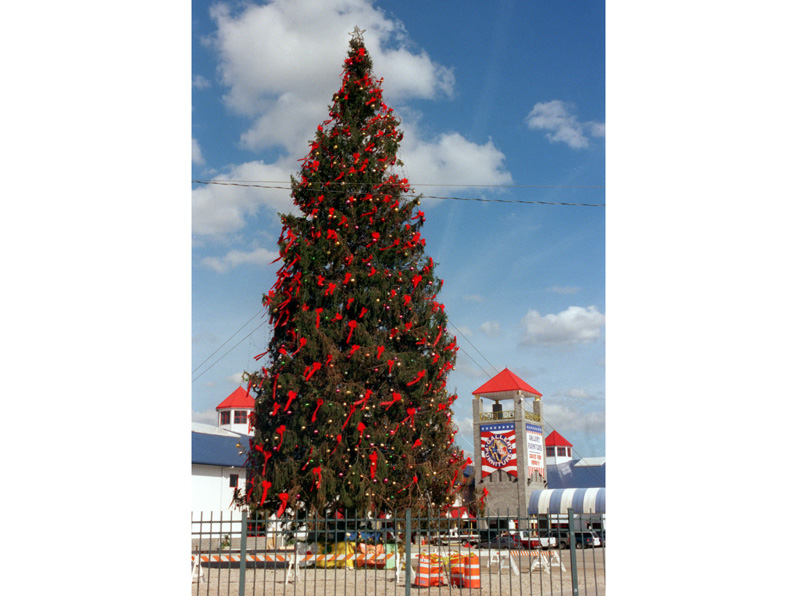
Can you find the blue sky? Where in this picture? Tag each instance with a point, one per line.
(506, 103)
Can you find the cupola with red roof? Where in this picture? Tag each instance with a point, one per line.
(557, 448)
(233, 411)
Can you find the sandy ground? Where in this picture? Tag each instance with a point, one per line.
(264, 579)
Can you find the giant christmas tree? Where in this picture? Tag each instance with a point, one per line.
(352, 409)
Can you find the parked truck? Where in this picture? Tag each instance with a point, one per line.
(456, 536)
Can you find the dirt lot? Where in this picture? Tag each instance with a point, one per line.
(268, 579)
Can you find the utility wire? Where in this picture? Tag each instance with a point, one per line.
(259, 311)
(476, 349)
(481, 200)
(264, 322)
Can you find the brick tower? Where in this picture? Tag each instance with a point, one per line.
(509, 458)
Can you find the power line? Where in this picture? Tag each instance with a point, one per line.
(476, 349)
(481, 200)
(264, 322)
(259, 311)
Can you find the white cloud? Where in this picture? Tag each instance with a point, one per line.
(259, 257)
(219, 209)
(474, 298)
(197, 155)
(568, 420)
(200, 82)
(564, 127)
(273, 54)
(490, 328)
(206, 417)
(451, 157)
(575, 325)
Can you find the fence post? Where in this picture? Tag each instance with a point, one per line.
(408, 552)
(573, 562)
(243, 553)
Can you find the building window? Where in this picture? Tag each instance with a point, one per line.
(551, 452)
(240, 417)
(224, 418)
(234, 480)
(562, 451)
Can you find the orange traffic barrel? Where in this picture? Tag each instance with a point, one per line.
(465, 571)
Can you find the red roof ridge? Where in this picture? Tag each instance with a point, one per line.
(504, 381)
(554, 439)
(238, 399)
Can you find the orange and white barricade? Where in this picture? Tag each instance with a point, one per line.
(371, 556)
(465, 571)
(430, 572)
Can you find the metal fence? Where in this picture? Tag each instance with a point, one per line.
(233, 554)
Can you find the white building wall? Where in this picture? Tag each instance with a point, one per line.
(211, 490)
(237, 428)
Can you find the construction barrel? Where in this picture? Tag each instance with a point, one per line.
(465, 571)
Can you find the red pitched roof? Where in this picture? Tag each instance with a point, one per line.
(503, 382)
(238, 399)
(556, 440)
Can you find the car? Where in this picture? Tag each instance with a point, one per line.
(498, 542)
(586, 539)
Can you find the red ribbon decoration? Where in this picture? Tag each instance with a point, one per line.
(420, 374)
(352, 409)
(414, 481)
(380, 352)
(438, 337)
(361, 428)
(353, 349)
(314, 368)
(338, 442)
(396, 397)
(292, 395)
(310, 453)
(410, 412)
(280, 430)
(267, 455)
(284, 497)
(373, 466)
(265, 484)
(417, 443)
(320, 401)
(485, 494)
(352, 325)
(318, 473)
(275, 407)
(303, 342)
(319, 312)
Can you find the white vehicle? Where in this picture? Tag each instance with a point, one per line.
(455, 536)
(530, 539)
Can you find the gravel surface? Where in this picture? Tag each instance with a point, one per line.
(269, 579)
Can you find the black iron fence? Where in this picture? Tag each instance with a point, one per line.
(234, 554)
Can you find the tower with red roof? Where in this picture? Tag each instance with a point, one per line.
(234, 410)
(558, 449)
(509, 446)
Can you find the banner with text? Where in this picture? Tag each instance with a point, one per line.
(535, 449)
(498, 448)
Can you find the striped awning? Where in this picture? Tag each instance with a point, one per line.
(580, 500)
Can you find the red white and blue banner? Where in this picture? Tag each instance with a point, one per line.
(535, 449)
(498, 448)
